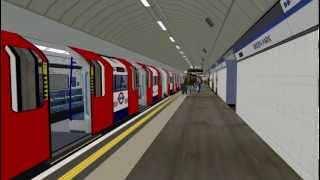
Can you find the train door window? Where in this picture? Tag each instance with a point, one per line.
(155, 80)
(120, 83)
(97, 84)
(26, 79)
(136, 78)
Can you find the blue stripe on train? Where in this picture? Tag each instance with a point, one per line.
(121, 114)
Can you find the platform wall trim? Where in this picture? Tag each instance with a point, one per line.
(281, 102)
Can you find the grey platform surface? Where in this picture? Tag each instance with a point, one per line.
(206, 140)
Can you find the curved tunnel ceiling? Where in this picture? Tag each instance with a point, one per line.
(127, 23)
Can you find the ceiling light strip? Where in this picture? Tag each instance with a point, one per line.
(145, 3)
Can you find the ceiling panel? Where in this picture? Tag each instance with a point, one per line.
(60, 8)
(21, 3)
(41, 6)
(127, 23)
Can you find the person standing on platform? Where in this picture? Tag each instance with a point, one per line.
(188, 84)
(184, 85)
(199, 84)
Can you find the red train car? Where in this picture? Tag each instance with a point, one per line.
(133, 85)
(24, 105)
(149, 88)
(101, 90)
(157, 82)
(31, 77)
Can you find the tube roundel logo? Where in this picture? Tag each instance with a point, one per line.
(121, 98)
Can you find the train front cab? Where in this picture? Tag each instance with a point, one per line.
(24, 106)
(120, 89)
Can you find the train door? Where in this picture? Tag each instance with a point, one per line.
(120, 89)
(142, 85)
(158, 82)
(164, 81)
(154, 84)
(24, 120)
(133, 85)
(101, 91)
(136, 86)
(174, 82)
(170, 83)
(69, 88)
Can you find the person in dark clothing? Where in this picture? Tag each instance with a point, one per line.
(199, 82)
(187, 84)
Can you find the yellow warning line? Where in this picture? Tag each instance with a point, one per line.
(93, 157)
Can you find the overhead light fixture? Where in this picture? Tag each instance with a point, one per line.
(145, 3)
(59, 51)
(181, 52)
(178, 47)
(42, 48)
(171, 39)
(162, 25)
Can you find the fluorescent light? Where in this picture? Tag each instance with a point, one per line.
(59, 51)
(181, 52)
(145, 3)
(41, 47)
(162, 25)
(171, 39)
(44, 48)
(178, 47)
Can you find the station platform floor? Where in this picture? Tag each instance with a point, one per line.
(196, 137)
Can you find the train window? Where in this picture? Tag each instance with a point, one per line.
(97, 78)
(135, 78)
(120, 83)
(26, 79)
(155, 80)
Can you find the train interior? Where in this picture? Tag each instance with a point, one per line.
(69, 92)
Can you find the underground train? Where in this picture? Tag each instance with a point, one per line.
(54, 98)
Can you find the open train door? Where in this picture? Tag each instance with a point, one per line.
(101, 90)
(148, 83)
(24, 106)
